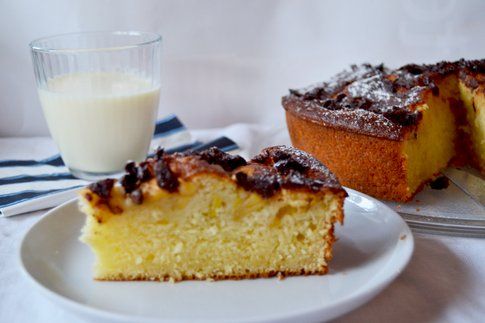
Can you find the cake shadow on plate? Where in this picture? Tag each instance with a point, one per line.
(351, 257)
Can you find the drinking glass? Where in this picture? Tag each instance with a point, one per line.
(99, 92)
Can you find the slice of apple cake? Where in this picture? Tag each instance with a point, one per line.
(212, 215)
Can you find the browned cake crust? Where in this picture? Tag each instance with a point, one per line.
(269, 274)
(386, 170)
(273, 169)
(356, 123)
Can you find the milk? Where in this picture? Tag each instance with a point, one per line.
(100, 120)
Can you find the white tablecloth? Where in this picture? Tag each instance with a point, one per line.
(444, 282)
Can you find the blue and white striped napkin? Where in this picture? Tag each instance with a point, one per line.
(29, 185)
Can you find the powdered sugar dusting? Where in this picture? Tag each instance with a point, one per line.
(375, 100)
(367, 99)
(372, 88)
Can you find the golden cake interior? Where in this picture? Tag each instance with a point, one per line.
(430, 148)
(444, 136)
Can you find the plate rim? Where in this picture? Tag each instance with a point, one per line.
(79, 307)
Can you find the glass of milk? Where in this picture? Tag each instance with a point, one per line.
(100, 93)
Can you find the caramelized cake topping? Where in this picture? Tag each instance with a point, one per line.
(266, 174)
(102, 188)
(297, 169)
(375, 100)
(166, 178)
(218, 157)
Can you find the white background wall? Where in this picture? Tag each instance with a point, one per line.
(231, 61)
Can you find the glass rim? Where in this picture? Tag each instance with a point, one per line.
(36, 46)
